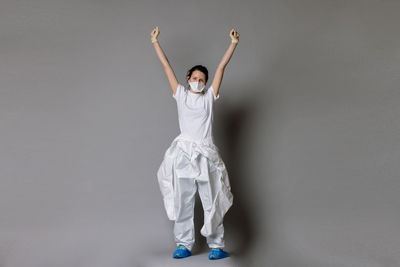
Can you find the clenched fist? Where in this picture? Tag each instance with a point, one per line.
(234, 36)
(154, 35)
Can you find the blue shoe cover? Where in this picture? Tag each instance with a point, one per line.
(217, 253)
(181, 252)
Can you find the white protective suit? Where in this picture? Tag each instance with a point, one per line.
(193, 162)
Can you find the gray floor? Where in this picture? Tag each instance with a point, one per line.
(164, 259)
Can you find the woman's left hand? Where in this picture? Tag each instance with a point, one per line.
(234, 36)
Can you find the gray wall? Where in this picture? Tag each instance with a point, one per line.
(307, 124)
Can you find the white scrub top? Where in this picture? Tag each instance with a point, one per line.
(195, 113)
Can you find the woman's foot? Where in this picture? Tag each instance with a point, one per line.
(217, 253)
(181, 252)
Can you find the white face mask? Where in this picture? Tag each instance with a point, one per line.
(197, 86)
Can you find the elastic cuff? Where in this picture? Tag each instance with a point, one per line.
(214, 246)
(186, 246)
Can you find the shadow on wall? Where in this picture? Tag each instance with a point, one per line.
(238, 217)
(235, 128)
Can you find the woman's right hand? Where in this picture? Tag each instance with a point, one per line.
(154, 35)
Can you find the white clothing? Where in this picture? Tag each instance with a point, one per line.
(193, 161)
(195, 112)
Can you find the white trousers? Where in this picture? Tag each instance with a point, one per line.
(187, 167)
(184, 198)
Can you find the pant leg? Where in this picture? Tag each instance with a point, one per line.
(185, 190)
(207, 192)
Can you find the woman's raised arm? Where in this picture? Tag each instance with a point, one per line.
(219, 73)
(173, 82)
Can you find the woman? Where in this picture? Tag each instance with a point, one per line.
(192, 161)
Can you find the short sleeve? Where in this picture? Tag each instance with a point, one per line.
(179, 92)
(214, 97)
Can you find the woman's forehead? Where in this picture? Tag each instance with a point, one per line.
(198, 74)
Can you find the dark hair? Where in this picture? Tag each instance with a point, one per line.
(199, 68)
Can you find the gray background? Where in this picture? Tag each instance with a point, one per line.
(307, 124)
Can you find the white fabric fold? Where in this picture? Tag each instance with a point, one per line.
(186, 158)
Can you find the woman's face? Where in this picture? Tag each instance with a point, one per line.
(197, 76)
